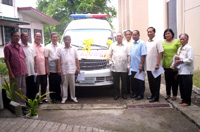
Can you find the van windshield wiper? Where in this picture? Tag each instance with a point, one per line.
(99, 46)
(91, 45)
(77, 46)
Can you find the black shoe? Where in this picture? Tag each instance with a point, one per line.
(124, 97)
(134, 96)
(128, 93)
(53, 100)
(153, 100)
(116, 98)
(150, 97)
(139, 98)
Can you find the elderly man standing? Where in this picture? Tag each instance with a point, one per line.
(119, 58)
(15, 61)
(138, 54)
(68, 64)
(52, 67)
(128, 41)
(30, 65)
(186, 70)
(153, 60)
(40, 64)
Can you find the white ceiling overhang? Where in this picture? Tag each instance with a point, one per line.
(37, 15)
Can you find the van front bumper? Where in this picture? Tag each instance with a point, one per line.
(96, 78)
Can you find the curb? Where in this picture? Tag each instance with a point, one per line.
(196, 89)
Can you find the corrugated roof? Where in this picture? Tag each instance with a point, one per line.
(13, 20)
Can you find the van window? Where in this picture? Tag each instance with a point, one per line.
(99, 36)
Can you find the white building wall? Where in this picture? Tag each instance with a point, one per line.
(34, 24)
(1, 51)
(7, 11)
(11, 11)
(192, 27)
(157, 19)
(0, 7)
(1, 47)
(26, 3)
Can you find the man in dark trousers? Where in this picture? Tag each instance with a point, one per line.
(153, 61)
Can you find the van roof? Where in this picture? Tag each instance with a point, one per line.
(88, 24)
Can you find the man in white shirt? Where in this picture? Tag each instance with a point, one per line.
(68, 64)
(119, 58)
(186, 70)
(152, 62)
(128, 41)
(30, 66)
(51, 59)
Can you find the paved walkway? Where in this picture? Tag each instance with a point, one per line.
(191, 112)
(30, 125)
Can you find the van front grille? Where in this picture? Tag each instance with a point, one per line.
(92, 64)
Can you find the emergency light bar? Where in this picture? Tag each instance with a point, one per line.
(88, 15)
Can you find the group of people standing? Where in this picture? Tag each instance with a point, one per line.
(133, 55)
(29, 64)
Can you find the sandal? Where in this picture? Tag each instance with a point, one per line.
(167, 97)
(184, 104)
(181, 102)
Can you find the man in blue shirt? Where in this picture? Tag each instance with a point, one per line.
(138, 54)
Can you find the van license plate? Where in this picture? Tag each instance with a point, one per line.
(88, 80)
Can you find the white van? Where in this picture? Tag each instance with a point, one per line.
(94, 65)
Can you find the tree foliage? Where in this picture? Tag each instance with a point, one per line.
(61, 10)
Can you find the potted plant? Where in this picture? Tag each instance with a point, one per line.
(9, 89)
(33, 104)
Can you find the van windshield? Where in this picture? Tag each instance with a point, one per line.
(99, 36)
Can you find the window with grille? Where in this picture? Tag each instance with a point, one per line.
(38, 31)
(6, 32)
(27, 30)
(7, 2)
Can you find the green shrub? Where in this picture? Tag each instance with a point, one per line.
(9, 89)
(3, 68)
(33, 105)
(196, 78)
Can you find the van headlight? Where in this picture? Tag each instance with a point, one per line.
(109, 78)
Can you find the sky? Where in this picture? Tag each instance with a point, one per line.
(32, 3)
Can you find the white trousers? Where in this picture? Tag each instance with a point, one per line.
(68, 79)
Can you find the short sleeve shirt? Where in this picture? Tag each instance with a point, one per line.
(40, 59)
(154, 47)
(15, 56)
(51, 53)
(138, 49)
(30, 54)
(68, 58)
(169, 51)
